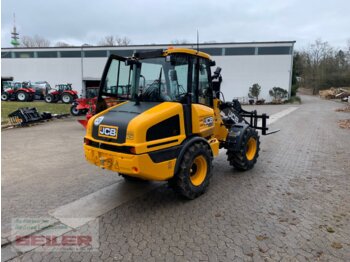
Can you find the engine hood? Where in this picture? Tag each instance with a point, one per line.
(118, 119)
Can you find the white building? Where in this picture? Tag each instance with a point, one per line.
(267, 63)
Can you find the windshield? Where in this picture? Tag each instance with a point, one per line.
(152, 79)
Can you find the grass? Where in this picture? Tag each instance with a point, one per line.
(10, 106)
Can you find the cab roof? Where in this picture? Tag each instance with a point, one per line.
(172, 50)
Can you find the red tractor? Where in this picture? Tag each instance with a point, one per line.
(62, 92)
(16, 91)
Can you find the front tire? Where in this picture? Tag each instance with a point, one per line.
(49, 99)
(248, 153)
(67, 98)
(5, 97)
(194, 173)
(22, 96)
(74, 111)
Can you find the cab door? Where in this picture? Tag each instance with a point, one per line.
(202, 99)
(115, 83)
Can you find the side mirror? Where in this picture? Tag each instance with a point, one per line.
(216, 73)
(212, 63)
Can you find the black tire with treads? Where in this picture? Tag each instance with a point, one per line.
(67, 98)
(22, 96)
(5, 96)
(181, 182)
(238, 159)
(49, 98)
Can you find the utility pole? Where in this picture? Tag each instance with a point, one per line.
(14, 34)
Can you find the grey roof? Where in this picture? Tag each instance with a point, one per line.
(153, 45)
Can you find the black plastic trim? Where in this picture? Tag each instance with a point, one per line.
(187, 108)
(167, 128)
(119, 149)
(164, 143)
(165, 154)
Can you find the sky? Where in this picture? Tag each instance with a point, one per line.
(80, 22)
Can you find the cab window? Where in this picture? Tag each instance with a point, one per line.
(202, 94)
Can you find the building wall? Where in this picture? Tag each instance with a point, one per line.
(53, 70)
(239, 71)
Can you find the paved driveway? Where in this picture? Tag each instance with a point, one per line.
(293, 206)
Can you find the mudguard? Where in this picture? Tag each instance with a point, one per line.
(235, 135)
(184, 146)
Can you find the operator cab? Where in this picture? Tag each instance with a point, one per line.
(175, 75)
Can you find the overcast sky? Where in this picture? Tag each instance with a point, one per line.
(146, 22)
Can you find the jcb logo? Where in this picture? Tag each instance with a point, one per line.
(208, 121)
(108, 131)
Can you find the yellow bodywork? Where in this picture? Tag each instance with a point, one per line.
(186, 51)
(140, 164)
(202, 120)
(206, 123)
(220, 131)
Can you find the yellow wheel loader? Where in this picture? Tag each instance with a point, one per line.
(171, 123)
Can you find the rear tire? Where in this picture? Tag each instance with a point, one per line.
(248, 153)
(194, 173)
(5, 96)
(67, 98)
(49, 99)
(22, 96)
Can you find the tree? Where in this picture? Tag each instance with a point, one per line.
(179, 42)
(278, 93)
(123, 41)
(62, 44)
(317, 57)
(35, 41)
(111, 40)
(254, 91)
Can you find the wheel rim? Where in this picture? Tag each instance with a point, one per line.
(251, 148)
(21, 96)
(198, 170)
(65, 98)
(4, 97)
(75, 111)
(48, 99)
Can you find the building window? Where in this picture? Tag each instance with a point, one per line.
(70, 53)
(240, 51)
(95, 53)
(274, 50)
(24, 54)
(47, 54)
(212, 51)
(122, 52)
(5, 54)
